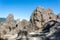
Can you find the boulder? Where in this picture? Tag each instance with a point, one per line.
(36, 18)
(40, 16)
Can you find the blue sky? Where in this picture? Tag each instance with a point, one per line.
(23, 8)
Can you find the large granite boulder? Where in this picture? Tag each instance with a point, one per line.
(52, 30)
(24, 24)
(40, 16)
(48, 15)
(37, 18)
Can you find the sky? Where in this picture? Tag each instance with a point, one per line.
(23, 8)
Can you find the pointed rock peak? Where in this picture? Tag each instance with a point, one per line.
(10, 15)
(49, 10)
(39, 8)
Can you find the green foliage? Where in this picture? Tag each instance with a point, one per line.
(4, 31)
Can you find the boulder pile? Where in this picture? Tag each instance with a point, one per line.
(43, 25)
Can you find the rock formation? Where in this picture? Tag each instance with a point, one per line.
(24, 24)
(37, 18)
(43, 25)
(40, 16)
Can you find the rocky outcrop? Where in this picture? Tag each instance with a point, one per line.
(43, 25)
(52, 31)
(37, 18)
(24, 24)
(48, 15)
(40, 16)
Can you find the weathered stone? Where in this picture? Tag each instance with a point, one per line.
(24, 23)
(10, 18)
(37, 18)
(40, 16)
(44, 22)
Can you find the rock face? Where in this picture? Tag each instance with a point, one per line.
(24, 24)
(49, 15)
(10, 21)
(52, 30)
(37, 18)
(40, 16)
(10, 18)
